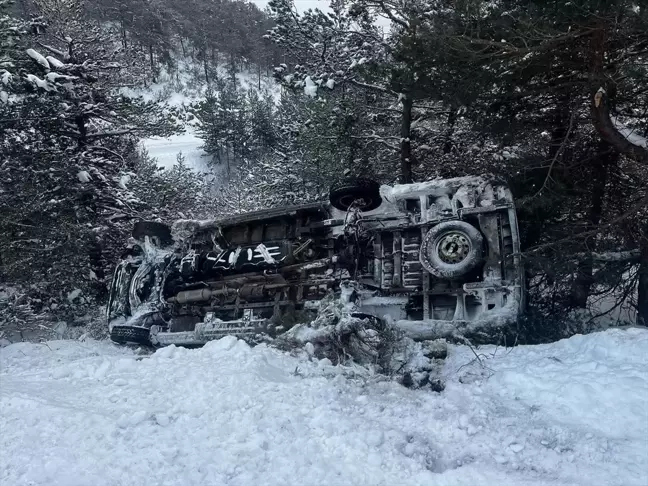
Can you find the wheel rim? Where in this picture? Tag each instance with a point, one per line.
(453, 247)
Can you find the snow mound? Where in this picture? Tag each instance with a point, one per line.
(310, 88)
(570, 413)
(39, 58)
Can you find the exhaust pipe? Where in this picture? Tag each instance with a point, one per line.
(205, 295)
(199, 295)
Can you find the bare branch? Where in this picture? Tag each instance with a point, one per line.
(611, 256)
(558, 153)
(54, 50)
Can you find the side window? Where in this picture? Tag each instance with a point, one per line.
(275, 231)
(413, 205)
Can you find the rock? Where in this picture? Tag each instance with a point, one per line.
(437, 349)
(516, 447)
(407, 380)
(437, 385)
(73, 295)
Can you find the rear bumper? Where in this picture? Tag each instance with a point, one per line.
(202, 334)
(431, 329)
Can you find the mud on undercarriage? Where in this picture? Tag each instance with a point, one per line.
(431, 257)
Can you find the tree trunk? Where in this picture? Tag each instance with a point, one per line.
(406, 144)
(206, 69)
(233, 68)
(184, 52)
(642, 294)
(607, 130)
(83, 131)
(152, 60)
(452, 120)
(123, 35)
(584, 280)
(95, 257)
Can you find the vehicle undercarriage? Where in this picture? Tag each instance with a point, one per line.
(428, 256)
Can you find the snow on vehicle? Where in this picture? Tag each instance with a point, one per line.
(427, 256)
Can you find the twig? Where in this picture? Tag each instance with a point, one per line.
(99, 147)
(470, 346)
(630, 213)
(558, 153)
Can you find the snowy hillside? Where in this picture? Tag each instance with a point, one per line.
(166, 150)
(90, 413)
(180, 89)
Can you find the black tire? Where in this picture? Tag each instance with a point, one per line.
(365, 192)
(129, 334)
(452, 249)
(154, 230)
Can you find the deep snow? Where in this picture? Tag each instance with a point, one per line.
(166, 150)
(90, 413)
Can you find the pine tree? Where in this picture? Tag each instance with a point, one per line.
(68, 156)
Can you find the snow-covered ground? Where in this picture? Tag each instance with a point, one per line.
(90, 413)
(166, 150)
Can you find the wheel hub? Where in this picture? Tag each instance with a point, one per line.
(453, 247)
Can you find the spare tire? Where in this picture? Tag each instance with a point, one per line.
(452, 249)
(365, 193)
(159, 233)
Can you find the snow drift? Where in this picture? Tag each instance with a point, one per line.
(90, 413)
